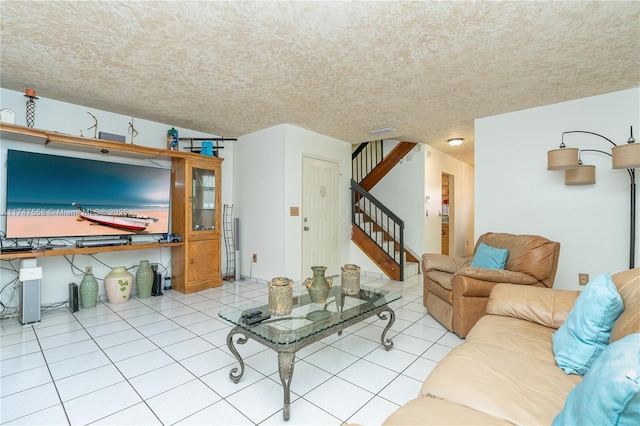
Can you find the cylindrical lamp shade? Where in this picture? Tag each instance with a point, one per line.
(562, 159)
(582, 175)
(626, 156)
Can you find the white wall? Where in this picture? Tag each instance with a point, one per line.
(259, 202)
(267, 182)
(72, 119)
(516, 193)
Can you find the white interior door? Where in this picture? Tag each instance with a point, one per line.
(320, 215)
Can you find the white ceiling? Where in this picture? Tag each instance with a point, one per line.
(427, 69)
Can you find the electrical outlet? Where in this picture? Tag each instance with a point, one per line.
(255, 258)
(583, 278)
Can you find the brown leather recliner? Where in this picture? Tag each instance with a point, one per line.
(456, 295)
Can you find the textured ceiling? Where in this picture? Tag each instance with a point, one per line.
(427, 69)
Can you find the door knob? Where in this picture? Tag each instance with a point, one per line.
(306, 228)
(191, 261)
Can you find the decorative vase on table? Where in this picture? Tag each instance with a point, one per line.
(144, 279)
(117, 285)
(280, 296)
(350, 279)
(88, 289)
(318, 285)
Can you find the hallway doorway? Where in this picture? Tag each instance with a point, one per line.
(447, 214)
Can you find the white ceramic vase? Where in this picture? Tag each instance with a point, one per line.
(118, 284)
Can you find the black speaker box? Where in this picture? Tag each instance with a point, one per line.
(73, 297)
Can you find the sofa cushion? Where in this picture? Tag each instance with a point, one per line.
(609, 394)
(544, 306)
(436, 412)
(493, 372)
(442, 278)
(441, 262)
(489, 257)
(586, 332)
(628, 284)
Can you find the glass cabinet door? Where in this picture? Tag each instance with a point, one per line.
(203, 199)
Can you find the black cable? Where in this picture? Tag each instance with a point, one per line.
(81, 272)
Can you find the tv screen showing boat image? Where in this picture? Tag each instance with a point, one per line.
(57, 196)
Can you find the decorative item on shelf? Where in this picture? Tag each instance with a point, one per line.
(132, 130)
(7, 116)
(117, 285)
(280, 296)
(112, 137)
(318, 285)
(172, 139)
(30, 94)
(207, 148)
(144, 279)
(88, 289)
(95, 125)
(350, 279)
(625, 156)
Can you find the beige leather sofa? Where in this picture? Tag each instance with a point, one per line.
(505, 372)
(456, 294)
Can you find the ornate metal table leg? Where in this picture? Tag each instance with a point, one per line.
(242, 340)
(387, 344)
(285, 367)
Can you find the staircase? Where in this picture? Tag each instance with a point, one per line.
(375, 229)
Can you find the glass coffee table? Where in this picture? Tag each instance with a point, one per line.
(307, 324)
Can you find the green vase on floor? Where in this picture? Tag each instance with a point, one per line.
(88, 289)
(144, 279)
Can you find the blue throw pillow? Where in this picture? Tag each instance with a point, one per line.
(489, 257)
(586, 332)
(609, 394)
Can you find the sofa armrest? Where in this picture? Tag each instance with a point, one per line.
(544, 306)
(441, 262)
(498, 275)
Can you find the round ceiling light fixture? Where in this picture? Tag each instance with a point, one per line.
(456, 141)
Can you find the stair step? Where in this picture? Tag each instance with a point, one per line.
(377, 236)
(367, 227)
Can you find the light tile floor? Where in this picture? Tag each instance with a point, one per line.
(164, 360)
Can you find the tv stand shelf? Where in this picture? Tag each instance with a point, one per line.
(71, 250)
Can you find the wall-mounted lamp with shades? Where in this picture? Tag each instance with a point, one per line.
(625, 156)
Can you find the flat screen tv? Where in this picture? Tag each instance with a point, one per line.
(57, 196)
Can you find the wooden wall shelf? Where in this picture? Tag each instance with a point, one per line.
(77, 143)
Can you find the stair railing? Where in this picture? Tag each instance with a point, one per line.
(365, 158)
(382, 220)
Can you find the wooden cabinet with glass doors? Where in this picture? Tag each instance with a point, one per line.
(195, 216)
